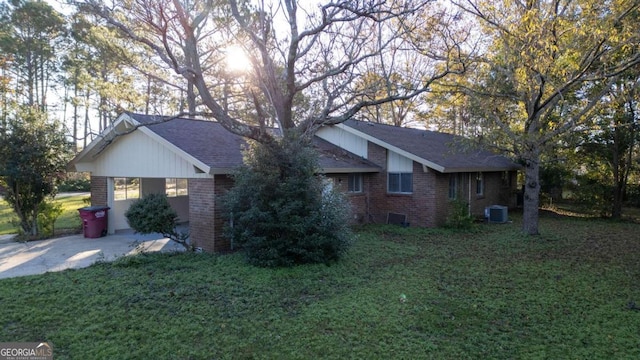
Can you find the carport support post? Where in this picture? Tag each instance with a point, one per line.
(202, 213)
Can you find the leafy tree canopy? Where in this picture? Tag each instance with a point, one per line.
(33, 157)
(547, 65)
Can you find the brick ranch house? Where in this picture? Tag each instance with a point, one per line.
(389, 173)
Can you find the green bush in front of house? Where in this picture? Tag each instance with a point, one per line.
(282, 212)
(458, 216)
(153, 214)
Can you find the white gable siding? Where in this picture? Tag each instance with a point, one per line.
(138, 155)
(398, 163)
(344, 139)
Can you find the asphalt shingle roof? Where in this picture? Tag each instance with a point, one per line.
(206, 141)
(446, 150)
(212, 144)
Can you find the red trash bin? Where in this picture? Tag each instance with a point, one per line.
(94, 221)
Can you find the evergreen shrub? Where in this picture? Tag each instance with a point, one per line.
(282, 212)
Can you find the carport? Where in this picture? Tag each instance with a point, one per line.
(183, 158)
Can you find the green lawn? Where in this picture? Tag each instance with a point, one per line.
(69, 220)
(571, 293)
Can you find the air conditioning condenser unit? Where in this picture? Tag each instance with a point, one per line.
(496, 214)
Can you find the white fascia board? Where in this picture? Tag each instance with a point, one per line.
(395, 149)
(93, 148)
(81, 167)
(348, 170)
(125, 122)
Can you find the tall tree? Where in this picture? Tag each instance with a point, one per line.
(397, 113)
(33, 32)
(102, 69)
(5, 92)
(32, 159)
(610, 147)
(547, 66)
(305, 58)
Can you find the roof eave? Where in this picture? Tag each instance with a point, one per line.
(479, 169)
(123, 124)
(349, 170)
(386, 145)
(104, 139)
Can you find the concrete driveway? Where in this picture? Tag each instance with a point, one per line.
(73, 252)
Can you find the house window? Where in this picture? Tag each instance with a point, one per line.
(453, 186)
(126, 188)
(400, 183)
(479, 184)
(400, 173)
(506, 179)
(355, 183)
(176, 187)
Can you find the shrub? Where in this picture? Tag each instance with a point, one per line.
(282, 212)
(593, 195)
(153, 214)
(48, 213)
(75, 182)
(459, 217)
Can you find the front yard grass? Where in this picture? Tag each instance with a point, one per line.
(69, 221)
(400, 293)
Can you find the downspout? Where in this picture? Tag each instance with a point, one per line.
(469, 196)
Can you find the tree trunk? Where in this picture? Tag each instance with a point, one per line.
(191, 98)
(616, 209)
(75, 112)
(30, 80)
(148, 100)
(87, 121)
(531, 193)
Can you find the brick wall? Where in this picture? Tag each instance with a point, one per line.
(359, 201)
(377, 189)
(442, 206)
(99, 191)
(206, 222)
(429, 204)
(222, 244)
(419, 207)
(202, 213)
(497, 191)
(493, 190)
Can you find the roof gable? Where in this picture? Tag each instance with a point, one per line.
(207, 141)
(206, 144)
(443, 152)
(124, 125)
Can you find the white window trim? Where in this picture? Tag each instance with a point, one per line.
(126, 189)
(178, 192)
(400, 182)
(358, 178)
(480, 179)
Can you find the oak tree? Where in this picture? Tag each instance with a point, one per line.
(546, 66)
